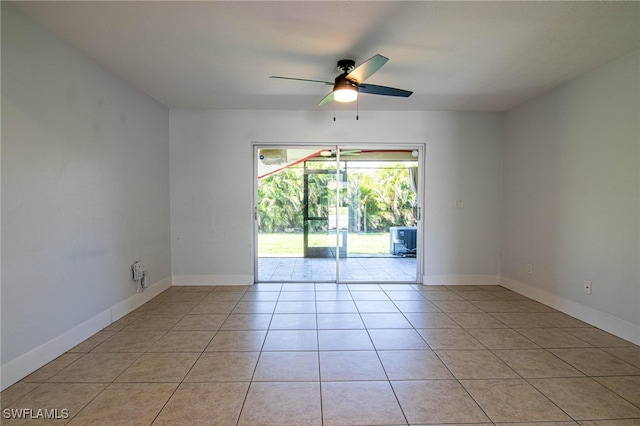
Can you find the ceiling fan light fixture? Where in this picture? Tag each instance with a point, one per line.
(345, 95)
(345, 90)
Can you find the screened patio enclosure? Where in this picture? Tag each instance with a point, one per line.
(337, 214)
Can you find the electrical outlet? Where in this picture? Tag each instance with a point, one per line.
(138, 271)
(459, 204)
(529, 269)
(587, 287)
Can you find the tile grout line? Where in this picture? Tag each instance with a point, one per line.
(315, 298)
(526, 380)
(255, 368)
(378, 356)
(393, 389)
(451, 372)
(194, 363)
(106, 384)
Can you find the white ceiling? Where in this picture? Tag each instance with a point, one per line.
(464, 56)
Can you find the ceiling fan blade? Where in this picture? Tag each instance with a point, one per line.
(303, 79)
(374, 89)
(326, 99)
(367, 68)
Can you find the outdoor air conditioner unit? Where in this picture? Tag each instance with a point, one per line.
(403, 240)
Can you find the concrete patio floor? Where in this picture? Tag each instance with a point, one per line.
(352, 269)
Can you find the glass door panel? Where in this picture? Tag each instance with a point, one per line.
(381, 215)
(295, 198)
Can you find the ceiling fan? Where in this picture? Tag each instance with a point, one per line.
(331, 153)
(351, 82)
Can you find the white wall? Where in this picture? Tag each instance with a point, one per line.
(212, 184)
(571, 196)
(85, 191)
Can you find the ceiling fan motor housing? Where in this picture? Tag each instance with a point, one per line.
(346, 65)
(341, 82)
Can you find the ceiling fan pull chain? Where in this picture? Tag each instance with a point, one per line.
(357, 110)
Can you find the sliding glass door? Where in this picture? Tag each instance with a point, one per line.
(336, 214)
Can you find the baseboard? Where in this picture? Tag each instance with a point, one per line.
(139, 299)
(602, 320)
(206, 280)
(15, 370)
(477, 279)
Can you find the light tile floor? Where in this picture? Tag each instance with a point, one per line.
(337, 354)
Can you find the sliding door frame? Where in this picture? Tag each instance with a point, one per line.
(419, 147)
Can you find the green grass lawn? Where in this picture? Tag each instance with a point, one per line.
(292, 244)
